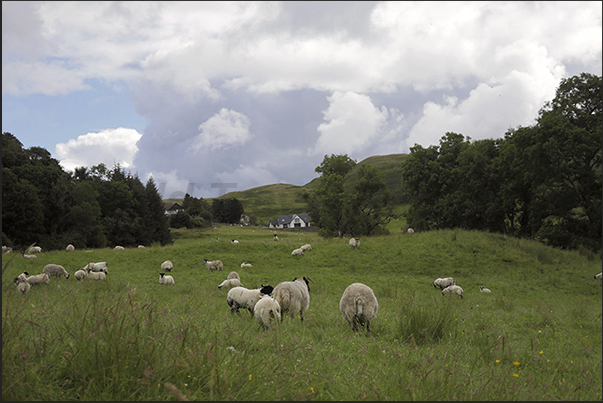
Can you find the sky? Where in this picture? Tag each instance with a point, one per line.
(211, 97)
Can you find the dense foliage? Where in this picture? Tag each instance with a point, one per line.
(91, 208)
(541, 182)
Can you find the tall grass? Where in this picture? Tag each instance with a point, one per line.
(536, 337)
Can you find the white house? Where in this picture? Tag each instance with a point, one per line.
(173, 208)
(291, 221)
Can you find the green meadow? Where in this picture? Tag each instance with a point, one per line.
(537, 336)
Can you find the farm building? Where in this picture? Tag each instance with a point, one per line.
(173, 208)
(291, 221)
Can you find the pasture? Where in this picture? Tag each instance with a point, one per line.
(537, 336)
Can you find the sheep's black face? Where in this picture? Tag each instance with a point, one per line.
(266, 289)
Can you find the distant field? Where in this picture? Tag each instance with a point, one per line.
(537, 336)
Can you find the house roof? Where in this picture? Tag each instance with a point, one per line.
(173, 206)
(286, 219)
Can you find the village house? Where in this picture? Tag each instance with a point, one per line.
(291, 221)
(173, 208)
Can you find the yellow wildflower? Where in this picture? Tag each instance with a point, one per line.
(516, 363)
(516, 376)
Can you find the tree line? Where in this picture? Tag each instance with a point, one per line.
(201, 213)
(89, 208)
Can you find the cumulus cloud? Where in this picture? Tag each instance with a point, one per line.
(109, 147)
(225, 129)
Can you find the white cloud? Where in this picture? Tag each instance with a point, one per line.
(250, 176)
(108, 146)
(225, 129)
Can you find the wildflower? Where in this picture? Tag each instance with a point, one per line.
(250, 375)
(540, 331)
(516, 363)
(311, 389)
(541, 351)
(516, 376)
(497, 361)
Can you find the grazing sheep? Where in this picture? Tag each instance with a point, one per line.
(482, 289)
(55, 270)
(23, 276)
(267, 310)
(241, 297)
(410, 231)
(293, 296)
(22, 284)
(243, 265)
(166, 279)
(6, 249)
(25, 256)
(306, 247)
(354, 243)
(297, 252)
(234, 241)
(275, 237)
(214, 265)
(42, 278)
(98, 266)
(141, 247)
(598, 276)
(230, 283)
(70, 248)
(119, 247)
(443, 282)
(35, 249)
(167, 266)
(358, 306)
(453, 289)
(96, 275)
(81, 274)
(233, 274)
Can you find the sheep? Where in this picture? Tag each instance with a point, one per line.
(214, 265)
(69, 248)
(141, 247)
(482, 289)
(230, 283)
(96, 275)
(55, 270)
(243, 265)
(297, 252)
(354, 243)
(119, 247)
(453, 289)
(267, 309)
(275, 237)
(241, 297)
(234, 241)
(306, 247)
(81, 274)
(6, 249)
(167, 266)
(35, 249)
(358, 306)
(22, 284)
(43, 278)
(598, 276)
(26, 256)
(23, 276)
(410, 231)
(293, 296)
(98, 266)
(233, 274)
(166, 279)
(443, 282)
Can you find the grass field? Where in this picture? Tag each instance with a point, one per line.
(538, 336)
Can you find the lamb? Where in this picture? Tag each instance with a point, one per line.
(410, 231)
(598, 276)
(96, 275)
(6, 249)
(297, 252)
(275, 237)
(167, 266)
(81, 274)
(141, 247)
(98, 266)
(22, 284)
(42, 278)
(306, 247)
(293, 296)
(482, 289)
(119, 247)
(234, 241)
(70, 248)
(214, 265)
(354, 243)
(358, 305)
(453, 289)
(166, 279)
(233, 274)
(443, 282)
(55, 270)
(267, 309)
(35, 249)
(243, 265)
(26, 256)
(241, 297)
(230, 283)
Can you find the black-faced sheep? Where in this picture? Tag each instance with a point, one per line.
(230, 283)
(484, 289)
(442, 283)
(233, 274)
(275, 237)
(241, 297)
(598, 276)
(354, 243)
(55, 270)
(453, 289)
(42, 278)
(167, 266)
(166, 279)
(293, 296)
(234, 241)
(96, 275)
(98, 266)
(306, 248)
(22, 284)
(267, 311)
(81, 274)
(358, 306)
(297, 252)
(243, 265)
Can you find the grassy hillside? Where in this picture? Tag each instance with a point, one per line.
(537, 336)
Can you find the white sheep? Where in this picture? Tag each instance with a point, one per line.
(297, 252)
(598, 276)
(22, 284)
(26, 256)
(214, 265)
(410, 231)
(166, 279)
(69, 248)
(167, 266)
(96, 275)
(42, 278)
(275, 237)
(81, 274)
(234, 241)
(55, 270)
(35, 249)
(267, 310)
(354, 243)
(483, 289)
(141, 247)
(443, 282)
(233, 274)
(293, 296)
(453, 289)
(119, 247)
(358, 306)
(230, 283)
(241, 297)
(306, 247)
(243, 265)
(98, 266)
(6, 249)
